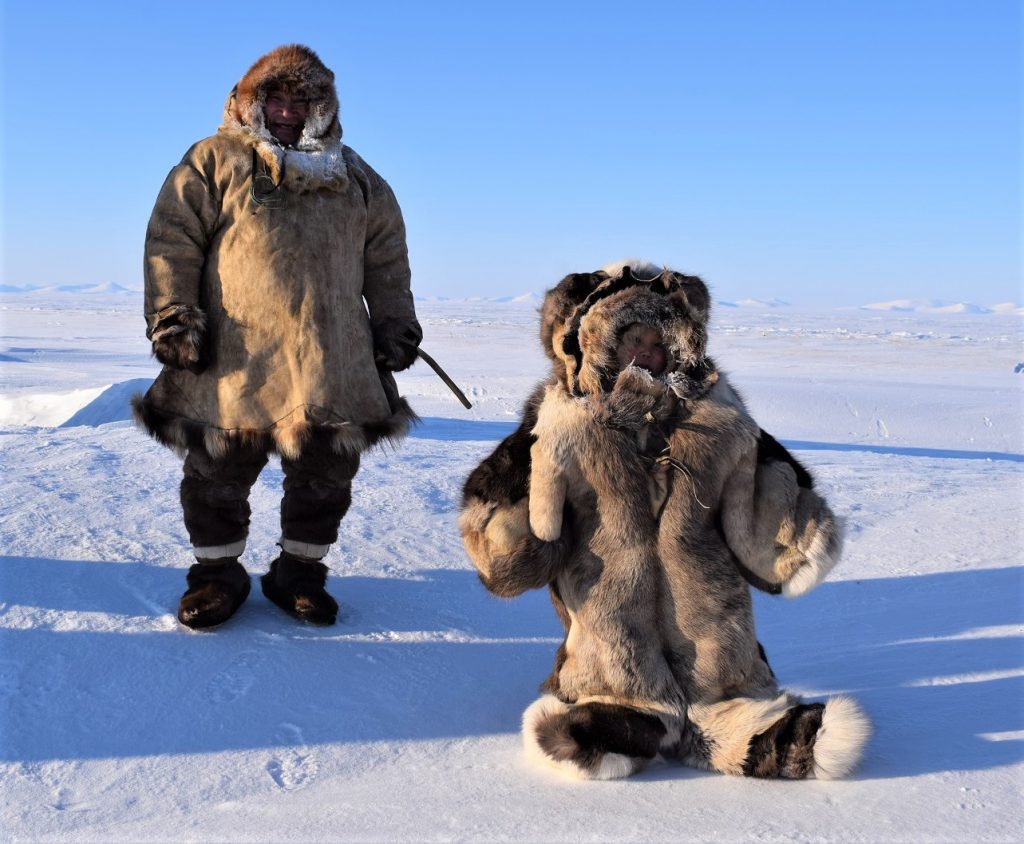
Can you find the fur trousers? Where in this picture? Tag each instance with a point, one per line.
(215, 498)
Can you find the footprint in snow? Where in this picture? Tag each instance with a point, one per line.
(233, 681)
(294, 766)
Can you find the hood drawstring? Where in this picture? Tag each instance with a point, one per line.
(266, 198)
(666, 459)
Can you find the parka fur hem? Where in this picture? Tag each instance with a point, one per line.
(287, 438)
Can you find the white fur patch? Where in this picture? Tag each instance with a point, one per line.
(822, 556)
(538, 711)
(615, 766)
(841, 738)
(307, 171)
(641, 269)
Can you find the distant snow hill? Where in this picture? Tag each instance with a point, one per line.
(78, 289)
(754, 303)
(521, 299)
(932, 306)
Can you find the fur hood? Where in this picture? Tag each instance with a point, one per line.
(316, 160)
(583, 317)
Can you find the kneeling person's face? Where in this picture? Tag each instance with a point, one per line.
(641, 345)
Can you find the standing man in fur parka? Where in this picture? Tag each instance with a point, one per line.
(641, 492)
(277, 297)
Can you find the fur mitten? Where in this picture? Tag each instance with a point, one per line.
(782, 533)
(178, 334)
(509, 558)
(395, 342)
(635, 394)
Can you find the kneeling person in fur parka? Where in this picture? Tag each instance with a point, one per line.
(278, 299)
(641, 492)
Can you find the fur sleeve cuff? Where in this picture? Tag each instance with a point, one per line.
(178, 333)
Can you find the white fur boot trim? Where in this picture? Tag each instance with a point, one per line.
(215, 552)
(841, 738)
(304, 549)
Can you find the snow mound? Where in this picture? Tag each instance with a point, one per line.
(899, 305)
(523, 299)
(92, 406)
(960, 308)
(113, 404)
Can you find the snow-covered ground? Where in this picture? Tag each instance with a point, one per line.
(401, 722)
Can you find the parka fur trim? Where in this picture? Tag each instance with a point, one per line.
(285, 438)
(178, 334)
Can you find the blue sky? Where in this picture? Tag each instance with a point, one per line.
(820, 152)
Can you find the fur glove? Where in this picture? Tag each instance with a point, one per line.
(634, 395)
(508, 557)
(395, 342)
(784, 534)
(178, 333)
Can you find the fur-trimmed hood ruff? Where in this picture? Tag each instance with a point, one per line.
(267, 271)
(647, 504)
(299, 69)
(583, 317)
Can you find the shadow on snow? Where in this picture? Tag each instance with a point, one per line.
(440, 428)
(437, 657)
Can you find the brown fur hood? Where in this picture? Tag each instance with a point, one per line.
(319, 149)
(583, 317)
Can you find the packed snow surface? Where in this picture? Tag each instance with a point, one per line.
(401, 722)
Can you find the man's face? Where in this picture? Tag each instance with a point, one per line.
(285, 115)
(642, 346)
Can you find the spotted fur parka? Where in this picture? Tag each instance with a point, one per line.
(274, 268)
(648, 505)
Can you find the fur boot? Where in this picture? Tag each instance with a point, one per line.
(216, 589)
(296, 585)
(777, 736)
(600, 741)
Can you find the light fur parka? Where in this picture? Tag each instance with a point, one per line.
(276, 263)
(647, 505)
